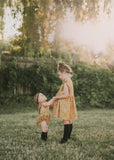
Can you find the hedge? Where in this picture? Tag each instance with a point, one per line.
(93, 86)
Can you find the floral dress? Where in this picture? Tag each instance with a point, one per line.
(65, 108)
(44, 115)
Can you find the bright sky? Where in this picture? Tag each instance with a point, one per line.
(93, 35)
(11, 24)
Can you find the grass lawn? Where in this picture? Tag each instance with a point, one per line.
(92, 137)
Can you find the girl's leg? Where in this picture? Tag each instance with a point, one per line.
(70, 122)
(66, 131)
(65, 122)
(44, 127)
(70, 129)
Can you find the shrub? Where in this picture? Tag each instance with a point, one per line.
(93, 86)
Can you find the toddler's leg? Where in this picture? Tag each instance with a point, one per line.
(44, 127)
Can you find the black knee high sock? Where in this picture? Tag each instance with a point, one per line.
(70, 130)
(65, 136)
(44, 136)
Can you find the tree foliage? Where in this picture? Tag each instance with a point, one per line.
(42, 18)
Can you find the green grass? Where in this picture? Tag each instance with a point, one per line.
(92, 137)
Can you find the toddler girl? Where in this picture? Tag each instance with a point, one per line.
(44, 114)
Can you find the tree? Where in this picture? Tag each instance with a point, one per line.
(43, 17)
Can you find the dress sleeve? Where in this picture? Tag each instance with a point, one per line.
(68, 85)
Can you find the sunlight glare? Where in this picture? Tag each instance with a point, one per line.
(11, 24)
(94, 35)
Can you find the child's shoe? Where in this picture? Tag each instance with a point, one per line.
(44, 136)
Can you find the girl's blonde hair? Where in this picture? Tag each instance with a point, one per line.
(36, 98)
(62, 67)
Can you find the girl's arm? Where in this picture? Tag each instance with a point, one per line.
(65, 95)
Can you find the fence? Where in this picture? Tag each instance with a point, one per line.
(26, 62)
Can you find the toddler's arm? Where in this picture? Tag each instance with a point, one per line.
(49, 103)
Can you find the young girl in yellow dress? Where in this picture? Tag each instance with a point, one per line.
(44, 114)
(64, 106)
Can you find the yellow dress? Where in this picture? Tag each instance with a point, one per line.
(44, 115)
(65, 108)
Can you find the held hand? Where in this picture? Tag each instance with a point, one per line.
(54, 98)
